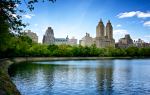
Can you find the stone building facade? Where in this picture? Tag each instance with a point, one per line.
(125, 42)
(59, 41)
(140, 43)
(104, 36)
(49, 38)
(87, 40)
(73, 41)
(31, 35)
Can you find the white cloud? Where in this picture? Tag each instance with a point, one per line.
(126, 14)
(147, 23)
(28, 16)
(138, 14)
(143, 15)
(118, 25)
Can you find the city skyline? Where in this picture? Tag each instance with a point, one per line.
(75, 18)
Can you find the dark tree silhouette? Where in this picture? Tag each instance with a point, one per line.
(9, 10)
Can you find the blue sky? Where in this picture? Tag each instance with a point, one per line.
(76, 17)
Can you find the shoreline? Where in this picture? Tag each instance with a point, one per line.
(7, 87)
(21, 59)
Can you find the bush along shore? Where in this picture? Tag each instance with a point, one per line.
(23, 46)
(40, 50)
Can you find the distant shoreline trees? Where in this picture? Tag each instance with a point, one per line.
(22, 46)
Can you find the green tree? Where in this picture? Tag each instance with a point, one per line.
(11, 24)
(94, 51)
(132, 51)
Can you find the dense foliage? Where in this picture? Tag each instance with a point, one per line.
(22, 46)
(11, 24)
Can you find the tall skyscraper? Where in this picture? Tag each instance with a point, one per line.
(109, 30)
(48, 38)
(100, 29)
(104, 36)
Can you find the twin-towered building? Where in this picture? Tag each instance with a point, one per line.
(104, 36)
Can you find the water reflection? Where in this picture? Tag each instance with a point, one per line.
(104, 76)
(83, 77)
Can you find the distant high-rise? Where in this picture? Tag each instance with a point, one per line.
(73, 41)
(31, 35)
(104, 36)
(125, 42)
(87, 40)
(100, 29)
(109, 30)
(48, 38)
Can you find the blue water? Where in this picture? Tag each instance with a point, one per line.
(83, 77)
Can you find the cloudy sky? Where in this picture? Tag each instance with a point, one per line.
(76, 17)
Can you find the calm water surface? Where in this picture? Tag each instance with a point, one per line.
(83, 77)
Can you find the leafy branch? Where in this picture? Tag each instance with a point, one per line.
(9, 13)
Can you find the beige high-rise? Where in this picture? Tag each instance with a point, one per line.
(104, 36)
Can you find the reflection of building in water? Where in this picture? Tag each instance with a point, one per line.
(48, 71)
(104, 75)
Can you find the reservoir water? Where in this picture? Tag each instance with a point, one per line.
(83, 77)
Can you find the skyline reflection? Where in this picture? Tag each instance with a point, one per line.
(82, 77)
